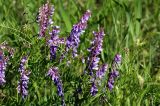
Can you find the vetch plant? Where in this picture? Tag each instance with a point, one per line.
(95, 71)
(24, 78)
(73, 40)
(95, 50)
(4, 60)
(54, 41)
(54, 74)
(2, 67)
(114, 73)
(45, 18)
(94, 89)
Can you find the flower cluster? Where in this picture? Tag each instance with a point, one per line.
(114, 73)
(54, 41)
(93, 60)
(2, 67)
(45, 18)
(95, 50)
(23, 84)
(74, 39)
(116, 61)
(101, 71)
(4, 59)
(22, 64)
(53, 73)
(24, 79)
(94, 89)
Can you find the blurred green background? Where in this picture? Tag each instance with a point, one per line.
(132, 28)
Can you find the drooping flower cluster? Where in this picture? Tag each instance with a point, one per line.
(114, 73)
(45, 18)
(53, 73)
(54, 41)
(24, 79)
(2, 68)
(74, 39)
(95, 50)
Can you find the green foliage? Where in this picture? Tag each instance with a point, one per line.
(132, 29)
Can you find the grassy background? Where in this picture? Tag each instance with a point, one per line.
(132, 29)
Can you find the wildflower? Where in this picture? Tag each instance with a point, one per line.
(45, 18)
(94, 89)
(23, 84)
(117, 59)
(114, 73)
(95, 50)
(112, 77)
(22, 64)
(2, 68)
(24, 79)
(74, 39)
(53, 73)
(101, 71)
(3, 60)
(54, 41)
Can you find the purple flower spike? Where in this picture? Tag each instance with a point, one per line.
(54, 42)
(95, 50)
(101, 72)
(24, 79)
(22, 64)
(53, 73)
(45, 18)
(116, 61)
(3, 64)
(94, 89)
(23, 84)
(74, 39)
(117, 58)
(114, 74)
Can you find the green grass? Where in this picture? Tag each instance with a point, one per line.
(131, 27)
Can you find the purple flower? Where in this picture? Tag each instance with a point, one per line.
(24, 79)
(95, 50)
(116, 61)
(3, 60)
(54, 41)
(112, 75)
(117, 58)
(94, 89)
(22, 64)
(101, 72)
(74, 39)
(3, 64)
(53, 73)
(23, 84)
(45, 18)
